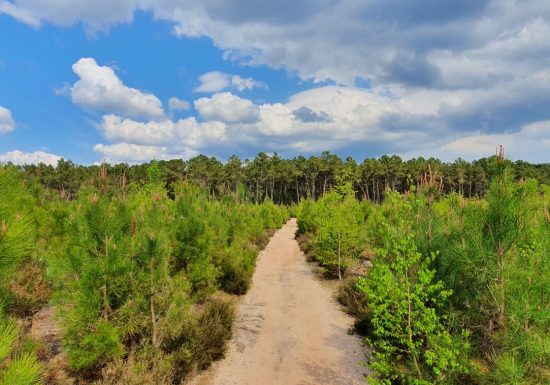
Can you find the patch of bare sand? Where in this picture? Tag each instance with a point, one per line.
(290, 330)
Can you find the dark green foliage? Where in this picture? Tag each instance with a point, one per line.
(306, 213)
(286, 181)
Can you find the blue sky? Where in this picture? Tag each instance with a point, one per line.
(136, 79)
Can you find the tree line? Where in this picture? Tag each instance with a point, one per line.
(286, 181)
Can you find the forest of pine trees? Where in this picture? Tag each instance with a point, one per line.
(286, 181)
(444, 265)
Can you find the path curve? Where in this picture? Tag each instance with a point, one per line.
(289, 330)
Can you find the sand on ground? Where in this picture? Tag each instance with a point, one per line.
(289, 329)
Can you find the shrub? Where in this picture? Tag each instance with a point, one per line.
(355, 302)
(203, 335)
(340, 235)
(236, 269)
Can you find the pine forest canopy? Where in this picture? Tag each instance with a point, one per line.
(288, 180)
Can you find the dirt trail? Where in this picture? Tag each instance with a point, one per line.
(290, 330)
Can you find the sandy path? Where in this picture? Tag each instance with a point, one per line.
(290, 330)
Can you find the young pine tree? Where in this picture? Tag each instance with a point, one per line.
(18, 364)
(97, 282)
(340, 236)
(409, 337)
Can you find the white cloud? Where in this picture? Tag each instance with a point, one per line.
(97, 15)
(7, 123)
(187, 132)
(135, 153)
(531, 142)
(178, 104)
(456, 75)
(229, 108)
(214, 81)
(447, 69)
(276, 119)
(100, 88)
(21, 158)
(332, 117)
(243, 84)
(361, 37)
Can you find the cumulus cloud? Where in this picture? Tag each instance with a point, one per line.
(187, 132)
(135, 153)
(178, 104)
(439, 72)
(307, 115)
(7, 123)
(99, 88)
(213, 81)
(21, 158)
(345, 119)
(229, 108)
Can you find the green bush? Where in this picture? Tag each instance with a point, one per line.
(338, 230)
(410, 340)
